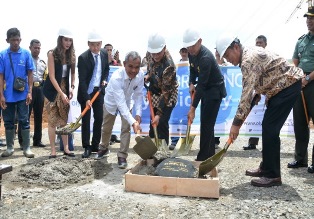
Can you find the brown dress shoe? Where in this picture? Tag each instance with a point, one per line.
(255, 173)
(266, 182)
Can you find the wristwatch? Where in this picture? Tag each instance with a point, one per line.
(307, 78)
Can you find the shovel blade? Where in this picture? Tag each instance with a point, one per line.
(68, 129)
(209, 164)
(185, 147)
(188, 145)
(145, 148)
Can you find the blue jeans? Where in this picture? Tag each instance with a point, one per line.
(174, 140)
(22, 113)
(70, 142)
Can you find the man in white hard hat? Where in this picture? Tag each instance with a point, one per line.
(93, 71)
(207, 82)
(266, 73)
(161, 73)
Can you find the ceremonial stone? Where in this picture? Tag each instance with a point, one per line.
(176, 167)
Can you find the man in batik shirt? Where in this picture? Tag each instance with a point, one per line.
(273, 76)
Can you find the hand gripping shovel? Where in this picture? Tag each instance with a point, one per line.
(186, 143)
(209, 164)
(75, 125)
(144, 147)
(160, 143)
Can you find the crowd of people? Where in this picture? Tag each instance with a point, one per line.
(25, 79)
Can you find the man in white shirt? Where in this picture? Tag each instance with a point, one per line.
(124, 90)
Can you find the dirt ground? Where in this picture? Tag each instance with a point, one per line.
(88, 188)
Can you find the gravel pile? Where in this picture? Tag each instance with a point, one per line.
(88, 188)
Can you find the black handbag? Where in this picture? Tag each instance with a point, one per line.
(19, 83)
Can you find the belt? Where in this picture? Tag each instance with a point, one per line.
(37, 84)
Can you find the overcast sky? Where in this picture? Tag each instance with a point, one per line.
(127, 24)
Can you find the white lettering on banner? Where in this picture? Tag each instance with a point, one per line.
(75, 103)
(145, 103)
(226, 102)
(234, 79)
(183, 100)
(183, 80)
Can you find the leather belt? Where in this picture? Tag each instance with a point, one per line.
(37, 84)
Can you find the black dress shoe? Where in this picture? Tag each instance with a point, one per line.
(39, 144)
(87, 153)
(296, 164)
(249, 147)
(266, 182)
(255, 173)
(115, 138)
(310, 169)
(69, 154)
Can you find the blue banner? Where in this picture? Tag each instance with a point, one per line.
(178, 121)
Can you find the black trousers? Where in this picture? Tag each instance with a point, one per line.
(301, 128)
(253, 140)
(209, 112)
(37, 106)
(278, 109)
(97, 107)
(163, 125)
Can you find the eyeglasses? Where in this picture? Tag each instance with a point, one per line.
(184, 51)
(109, 49)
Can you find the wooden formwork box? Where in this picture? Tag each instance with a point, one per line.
(194, 187)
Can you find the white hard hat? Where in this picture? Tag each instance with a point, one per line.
(65, 32)
(156, 43)
(190, 37)
(223, 42)
(94, 37)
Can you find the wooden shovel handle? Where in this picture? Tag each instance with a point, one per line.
(152, 114)
(305, 109)
(91, 101)
(192, 98)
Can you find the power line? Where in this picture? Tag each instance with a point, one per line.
(295, 10)
(268, 16)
